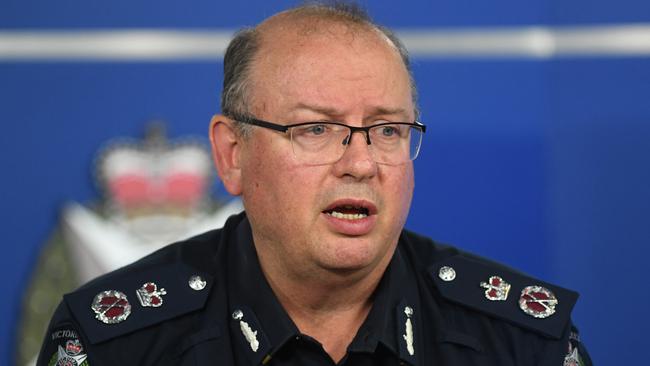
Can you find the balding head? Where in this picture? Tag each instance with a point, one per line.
(318, 84)
(341, 22)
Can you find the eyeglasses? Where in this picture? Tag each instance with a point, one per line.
(319, 143)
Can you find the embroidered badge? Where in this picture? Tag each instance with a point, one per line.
(247, 331)
(111, 307)
(537, 301)
(69, 351)
(572, 357)
(73, 347)
(408, 337)
(496, 289)
(150, 296)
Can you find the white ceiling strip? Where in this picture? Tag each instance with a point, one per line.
(631, 40)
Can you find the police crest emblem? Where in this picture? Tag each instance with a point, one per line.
(154, 191)
(66, 348)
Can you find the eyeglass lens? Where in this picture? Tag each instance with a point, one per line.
(323, 143)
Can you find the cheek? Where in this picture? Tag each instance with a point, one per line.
(401, 189)
(256, 173)
(270, 178)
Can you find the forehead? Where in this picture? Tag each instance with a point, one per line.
(329, 62)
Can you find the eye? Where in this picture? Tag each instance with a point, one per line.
(316, 129)
(389, 131)
(313, 130)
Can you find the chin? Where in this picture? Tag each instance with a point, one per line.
(353, 257)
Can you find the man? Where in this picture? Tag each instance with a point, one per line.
(317, 135)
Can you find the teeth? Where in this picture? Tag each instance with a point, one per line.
(339, 215)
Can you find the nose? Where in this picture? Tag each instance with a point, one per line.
(366, 133)
(357, 160)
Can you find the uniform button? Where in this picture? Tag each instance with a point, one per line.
(447, 273)
(197, 283)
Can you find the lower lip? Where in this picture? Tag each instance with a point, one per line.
(351, 227)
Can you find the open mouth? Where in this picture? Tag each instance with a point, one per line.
(348, 212)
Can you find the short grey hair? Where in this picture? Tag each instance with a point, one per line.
(240, 55)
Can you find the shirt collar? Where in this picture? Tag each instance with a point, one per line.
(387, 321)
(257, 315)
(253, 302)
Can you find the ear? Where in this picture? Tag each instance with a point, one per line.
(226, 148)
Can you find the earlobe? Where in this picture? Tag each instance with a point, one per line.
(226, 148)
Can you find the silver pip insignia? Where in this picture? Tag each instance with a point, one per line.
(538, 302)
(111, 307)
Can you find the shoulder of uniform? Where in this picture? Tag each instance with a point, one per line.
(424, 249)
(504, 293)
(166, 284)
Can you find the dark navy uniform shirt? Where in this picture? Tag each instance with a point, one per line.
(205, 301)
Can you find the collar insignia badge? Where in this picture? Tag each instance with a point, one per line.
(496, 289)
(150, 296)
(408, 337)
(247, 331)
(111, 307)
(537, 301)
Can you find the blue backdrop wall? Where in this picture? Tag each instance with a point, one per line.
(541, 163)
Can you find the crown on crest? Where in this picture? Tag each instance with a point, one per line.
(154, 176)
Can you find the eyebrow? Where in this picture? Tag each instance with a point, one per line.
(318, 109)
(384, 110)
(333, 112)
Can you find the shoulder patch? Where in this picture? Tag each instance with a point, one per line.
(63, 346)
(124, 302)
(576, 353)
(505, 294)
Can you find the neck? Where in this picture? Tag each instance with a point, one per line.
(329, 306)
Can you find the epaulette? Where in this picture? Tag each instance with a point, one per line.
(505, 294)
(127, 301)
